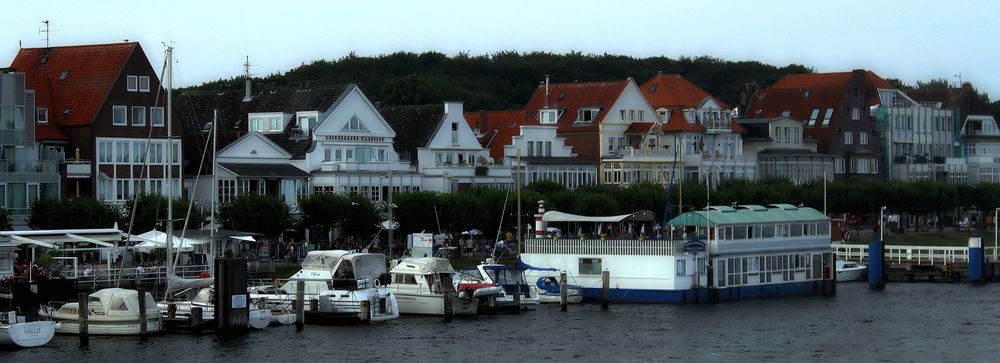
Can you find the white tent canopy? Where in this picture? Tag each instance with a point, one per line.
(555, 216)
(156, 239)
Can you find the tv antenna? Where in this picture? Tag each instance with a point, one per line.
(246, 67)
(45, 29)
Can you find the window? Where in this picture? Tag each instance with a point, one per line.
(681, 267)
(122, 151)
(856, 114)
(454, 133)
(826, 119)
(863, 138)
(786, 138)
(138, 116)
(338, 155)
(590, 266)
(640, 115)
(586, 115)
(156, 116)
(119, 115)
(43, 116)
(813, 117)
(848, 138)
(355, 124)
(104, 151)
(838, 166)
(132, 83)
(548, 148)
(795, 135)
(139, 151)
(63, 75)
(548, 116)
(144, 84)
(275, 123)
(611, 144)
(631, 115)
(327, 153)
(531, 148)
(256, 124)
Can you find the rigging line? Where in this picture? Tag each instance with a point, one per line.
(500, 227)
(144, 169)
(187, 217)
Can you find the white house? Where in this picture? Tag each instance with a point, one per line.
(783, 150)
(545, 156)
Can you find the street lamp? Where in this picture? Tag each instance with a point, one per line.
(881, 224)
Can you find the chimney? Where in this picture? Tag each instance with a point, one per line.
(248, 95)
(453, 107)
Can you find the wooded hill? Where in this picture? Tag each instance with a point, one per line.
(506, 80)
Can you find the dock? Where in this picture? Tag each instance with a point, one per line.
(924, 263)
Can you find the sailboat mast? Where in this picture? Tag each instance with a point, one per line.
(520, 234)
(215, 183)
(170, 162)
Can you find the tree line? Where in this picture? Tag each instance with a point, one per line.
(493, 210)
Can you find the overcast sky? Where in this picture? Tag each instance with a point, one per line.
(909, 40)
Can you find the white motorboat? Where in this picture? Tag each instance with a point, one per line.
(15, 331)
(510, 279)
(420, 285)
(111, 311)
(260, 317)
(549, 293)
(339, 285)
(849, 271)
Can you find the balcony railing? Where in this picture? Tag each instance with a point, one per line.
(634, 152)
(30, 166)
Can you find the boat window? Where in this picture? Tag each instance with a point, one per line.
(590, 266)
(404, 279)
(767, 231)
(118, 304)
(345, 271)
(681, 267)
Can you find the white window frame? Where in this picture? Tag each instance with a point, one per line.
(43, 116)
(814, 117)
(132, 83)
(827, 117)
(848, 138)
(141, 87)
(152, 116)
(548, 116)
(138, 111)
(862, 138)
(114, 113)
(856, 114)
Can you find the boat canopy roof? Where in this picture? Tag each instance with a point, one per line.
(121, 302)
(748, 214)
(640, 216)
(361, 265)
(423, 266)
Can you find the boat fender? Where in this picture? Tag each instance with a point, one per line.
(468, 293)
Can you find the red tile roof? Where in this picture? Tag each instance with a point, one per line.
(570, 97)
(497, 128)
(666, 90)
(678, 123)
(93, 70)
(800, 94)
(639, 128)
(49, 132)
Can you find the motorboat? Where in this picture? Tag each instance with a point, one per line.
(510, 279)
(549, 293)
(14, 330)
(421, 286)
(204, 298)
(338, 285)
(849, 271)
(111, 311)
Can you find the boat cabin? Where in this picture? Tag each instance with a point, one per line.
(113, 302)
(422, 275)
(510, 278)
(338, 269)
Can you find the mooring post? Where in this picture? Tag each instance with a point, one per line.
(84, 310)
(517, 299)
(605, 286)
(364, 311)
(314, 305)
(562, 291)
(976, 258)
(876, 264)
(172, 311)
(300, 311)
(449, 296)
(196, 317)
(143, 319)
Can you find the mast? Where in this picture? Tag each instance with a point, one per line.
(520, 234)
(215, 185)
(170, 163)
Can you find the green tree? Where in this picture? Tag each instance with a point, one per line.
(324, 211)
(362, 218)
(415, 211)
(151, 212)
(73, 213)
(251, 212)
(6, 220)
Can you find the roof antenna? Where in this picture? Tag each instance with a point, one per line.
(246, 72)
(46, 30)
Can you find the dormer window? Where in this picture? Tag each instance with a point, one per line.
(664, 114)
(63, 75)
(43, 116)
(266, 123)
(587, 115)
(813, 117)
(548, 116)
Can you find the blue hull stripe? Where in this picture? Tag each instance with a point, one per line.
(692, 296)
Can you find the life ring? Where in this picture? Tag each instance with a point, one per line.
(378, 283)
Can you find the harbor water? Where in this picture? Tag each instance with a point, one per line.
(905, 322)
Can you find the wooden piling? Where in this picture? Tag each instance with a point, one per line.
(563, 292)
(143, 319)
(84, 310)
(314, 305)
(172, 311)
(449, 296)
(517, 299)
(605, 286)
(196, 317)
(364, 311)
(300, 311)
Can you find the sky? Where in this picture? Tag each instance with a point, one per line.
(910, 40)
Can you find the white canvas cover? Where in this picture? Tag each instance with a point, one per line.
(156, 239)
(556, 216)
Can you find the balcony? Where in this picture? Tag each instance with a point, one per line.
(78, 169)
(643, 153)
(32, 166)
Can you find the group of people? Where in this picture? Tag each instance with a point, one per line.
(23, 270)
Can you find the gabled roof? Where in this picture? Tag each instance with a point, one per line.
(92, 72)
(678, 123)
(414, 126)
(497, 128)
(49, 132)
(257, 135)
(568, 98)
(668, 90)
(639, 127)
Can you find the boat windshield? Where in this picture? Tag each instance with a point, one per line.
(319, 262)
(506, 276)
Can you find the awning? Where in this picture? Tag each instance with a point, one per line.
(243, 238)
(277, 171)
(641, 216)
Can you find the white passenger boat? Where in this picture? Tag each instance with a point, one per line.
(420, 285)
(849, 271)
(15, 331)
(339, 285)
(111, 311)
(716, 254)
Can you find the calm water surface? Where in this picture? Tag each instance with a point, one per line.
(906, 322)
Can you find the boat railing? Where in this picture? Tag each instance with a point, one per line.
(639, 247)
(910, 254)
(155, 275)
